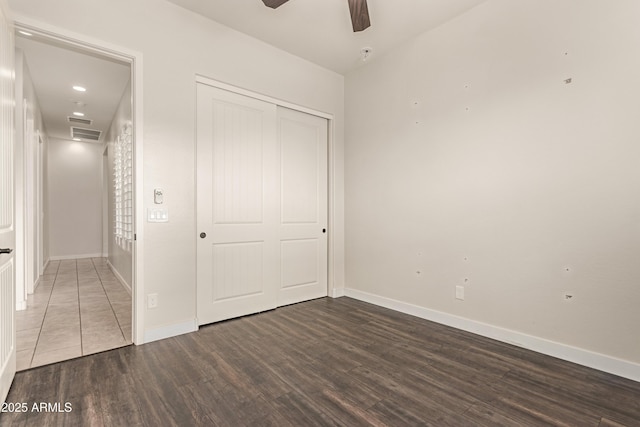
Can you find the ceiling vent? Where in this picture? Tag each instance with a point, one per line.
(79, 121)
(88, 134)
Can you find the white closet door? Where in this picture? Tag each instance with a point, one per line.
(261, 205)
(238, 197)
(303, 213)
(7, 233)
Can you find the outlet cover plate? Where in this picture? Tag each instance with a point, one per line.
(152, 301)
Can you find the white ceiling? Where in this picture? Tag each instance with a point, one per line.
(55, 70)
(320, 30)
(317, 30)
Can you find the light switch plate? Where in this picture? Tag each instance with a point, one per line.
(157, 215)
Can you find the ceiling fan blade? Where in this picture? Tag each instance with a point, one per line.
(274, 4)
(359, 15)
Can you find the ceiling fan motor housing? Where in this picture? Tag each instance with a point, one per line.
(358, 8)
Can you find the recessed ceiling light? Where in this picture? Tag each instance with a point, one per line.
(79, 89)
(25, 33)
(79, 114)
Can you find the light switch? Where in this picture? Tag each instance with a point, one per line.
(157, 215)
(158, 196)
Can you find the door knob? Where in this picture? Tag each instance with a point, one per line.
(203, 235)
(6, 251)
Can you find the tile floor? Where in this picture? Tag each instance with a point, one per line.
(78, 308)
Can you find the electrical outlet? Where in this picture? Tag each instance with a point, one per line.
(460, 292)
(152, 301)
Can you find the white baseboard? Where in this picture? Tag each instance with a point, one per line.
(170, 331)
(44, 267)
(569, 353)
(21, 305)
(65, 257)
(39, 279)
(119, 277)
(337, 293)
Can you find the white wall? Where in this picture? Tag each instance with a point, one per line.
(177, 45)
(468, 157)
(119, 258)
(75, 198)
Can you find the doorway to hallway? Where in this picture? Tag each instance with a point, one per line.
(79, 105)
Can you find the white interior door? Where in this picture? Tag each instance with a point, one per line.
(237, 205)
(7, 233)
(303, 214)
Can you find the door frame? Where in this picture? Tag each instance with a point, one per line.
(332, 290)
(134, 58)
(39, 209)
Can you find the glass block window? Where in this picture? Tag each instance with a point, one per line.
(123, 188)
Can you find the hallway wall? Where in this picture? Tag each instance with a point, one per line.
(119, 257)
(75, 199)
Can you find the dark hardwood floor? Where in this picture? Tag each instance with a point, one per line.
(336, 362)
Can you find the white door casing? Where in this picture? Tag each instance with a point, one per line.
(261, 204)
(40, 206)
(122, 54)
(7, 190)
(30, 248)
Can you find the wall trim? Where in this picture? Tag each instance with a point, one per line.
(566, 352)
(262, 97)
(44, 268)
(169, 331)
(39, 279)
(82, 256)
(119, 277)
(337, 293)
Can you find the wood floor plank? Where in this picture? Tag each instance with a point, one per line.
(393, 413)
(326, 362)
(486, 415)
(604, 422)
(302, 410)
